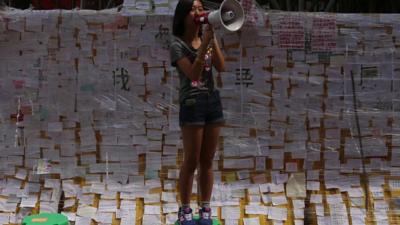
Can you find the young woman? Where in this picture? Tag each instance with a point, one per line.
(194, 52)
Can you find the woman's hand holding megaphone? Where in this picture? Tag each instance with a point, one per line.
(208, 33)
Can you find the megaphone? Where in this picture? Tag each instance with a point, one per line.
(230, 16)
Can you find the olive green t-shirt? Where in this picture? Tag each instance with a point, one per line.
(189, 88)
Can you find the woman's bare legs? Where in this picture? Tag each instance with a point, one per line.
(208, 149)
(192, 137)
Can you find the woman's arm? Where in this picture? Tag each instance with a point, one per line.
(194, 70)
(218, 59)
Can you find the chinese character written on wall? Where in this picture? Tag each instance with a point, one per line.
(163, 36)
(246, 79)
(121, 77)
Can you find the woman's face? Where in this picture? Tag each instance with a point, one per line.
(197, 9)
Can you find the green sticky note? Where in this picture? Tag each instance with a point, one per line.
(87, 87)
(43, 113)
(151, 174)
(230, 177)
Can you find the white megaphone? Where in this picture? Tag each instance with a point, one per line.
(230, 16)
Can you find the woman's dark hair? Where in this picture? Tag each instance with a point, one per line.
(182, 9)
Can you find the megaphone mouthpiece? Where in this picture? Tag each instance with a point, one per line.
(202, 18)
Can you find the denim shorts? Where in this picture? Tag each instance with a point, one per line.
(201, 109)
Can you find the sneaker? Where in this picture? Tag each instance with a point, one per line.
(205, 216)
(185, 217)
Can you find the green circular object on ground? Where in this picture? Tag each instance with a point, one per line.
(46, 219)
(215, 221)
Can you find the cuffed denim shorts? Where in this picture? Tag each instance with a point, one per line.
(201, 109)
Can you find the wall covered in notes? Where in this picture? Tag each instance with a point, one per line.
(89, 118)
